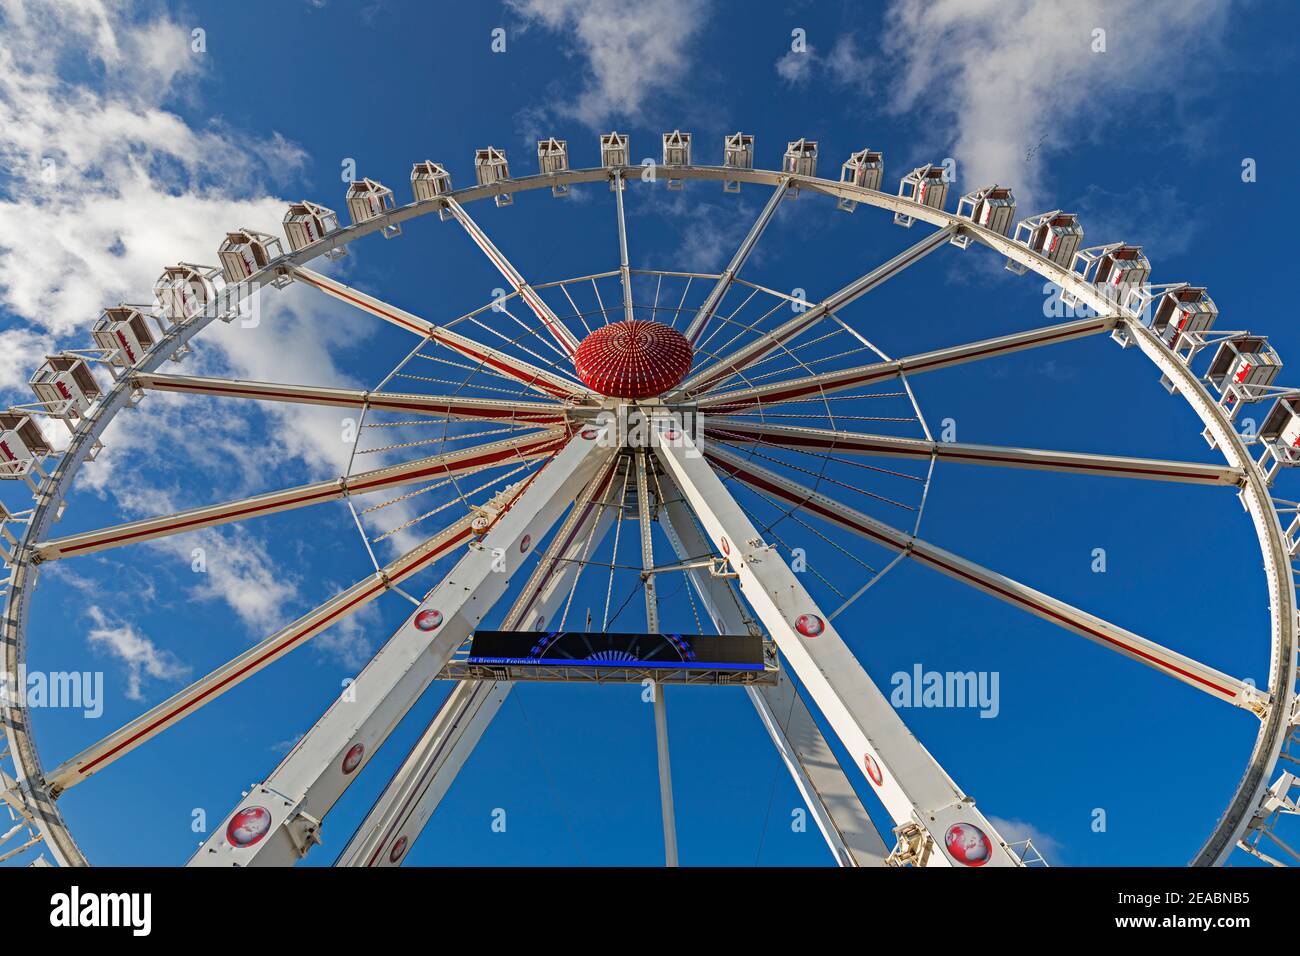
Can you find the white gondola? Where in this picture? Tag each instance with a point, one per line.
(1242, 368)
(614, 153)
(65, 386)
(1282, 423)
(429, 180)
(245, 252)
(1117, 269)
(22, 445)
(865, 168)
(491, 168)
(1280, 436)
(553, 157)
(125, 333)
(368, 199)
(614, 149)
(185, 290)
(1054, 235)
(677, 152)
(306, 222)
(800, 158)
(993, 207)
(737, 153)
(926, 186)
(1181, 312)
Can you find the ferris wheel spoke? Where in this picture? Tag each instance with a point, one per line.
(625, 274)
(695, 330)
(441, 406)
(419, 784)
(918, 794)
(204, 691)
(566, 339)
(494, 360)
(823, 383)
(462, 461)
(853, 443)
(300, 792)
(729, 366)
(1179, 666)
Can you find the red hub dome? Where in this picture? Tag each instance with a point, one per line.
(634, 358)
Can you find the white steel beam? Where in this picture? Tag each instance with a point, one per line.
(202, 692)
(644, 518)
(851, 443)
(737, 400)
(733, 364)
(415, 790)
(463, 461)
(1179, 666)
(539, 380)
(823, 784)
(624, 272)
(280, 819)
(925, 803)
(696, 329)
(549, 319)
(513, 411)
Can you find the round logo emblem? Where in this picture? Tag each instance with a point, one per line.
(525, 543)
(726, 545)
(428, 620)
(809, 625)
(248, 826)
(873, 769)
(352, 759)
(968, 845)
(589, 433)
(398, 849)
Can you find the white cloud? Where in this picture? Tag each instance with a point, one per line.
(21, 350)
(140, 656)
(1016, 81)
(846, 65)
(105, 186)
(1017, 831)
(632, 53)
(795, 67)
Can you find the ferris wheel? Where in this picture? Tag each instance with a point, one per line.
(611, 478)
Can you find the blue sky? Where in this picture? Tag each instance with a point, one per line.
(159, 150)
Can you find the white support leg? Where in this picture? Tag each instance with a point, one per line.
(823, 784)
(280, 819)
(405, 807)
(937, 823)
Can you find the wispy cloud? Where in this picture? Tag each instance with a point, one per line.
(142, 659)
(1018, 81)
(631, 53)
(1017, 831)
(847, 65)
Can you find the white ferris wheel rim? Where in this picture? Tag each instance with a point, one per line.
(1275, 727)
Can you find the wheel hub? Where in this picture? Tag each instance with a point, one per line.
(634, 358)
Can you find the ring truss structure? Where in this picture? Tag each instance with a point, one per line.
(530, 441)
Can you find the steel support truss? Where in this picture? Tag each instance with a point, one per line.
(932, 816)
(284, 813)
